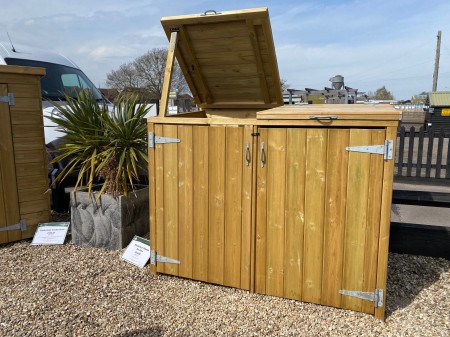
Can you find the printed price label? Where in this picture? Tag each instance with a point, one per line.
(52, 233)
(137, 252)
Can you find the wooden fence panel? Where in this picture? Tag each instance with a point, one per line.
(423, 154)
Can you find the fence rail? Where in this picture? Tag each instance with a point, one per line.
(423, 153)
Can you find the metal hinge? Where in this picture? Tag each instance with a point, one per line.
(152, 140)
(8, 99)
(22, 225)
(386, 150)
(155, 258)
(376, 296)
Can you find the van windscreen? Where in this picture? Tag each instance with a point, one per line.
(59, 79)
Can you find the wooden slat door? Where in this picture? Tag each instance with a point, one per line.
(200, 212)
(9, 200)
(318, 210)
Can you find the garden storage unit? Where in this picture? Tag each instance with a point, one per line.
(292, 201)
(23, 168)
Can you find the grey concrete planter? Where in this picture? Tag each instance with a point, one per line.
(110, 223)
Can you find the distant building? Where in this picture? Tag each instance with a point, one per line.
(337, 94)
(439, 111)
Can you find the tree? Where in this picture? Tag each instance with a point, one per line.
(124, 77)
(284, 84)
(383, 94)
(147, 72)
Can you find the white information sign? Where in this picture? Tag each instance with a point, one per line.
(51, 233)
(137, 252)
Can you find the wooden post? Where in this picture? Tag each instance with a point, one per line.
(168, 74)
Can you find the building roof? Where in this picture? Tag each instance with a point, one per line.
(440, 98)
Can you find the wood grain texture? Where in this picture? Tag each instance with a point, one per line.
(334, 223)
(185, 200)
(248, 231)
(233, 205)
(316, 157)
(171, 219)
(295, 212)
(261, 216)
(386, 205)
(373, 219)
(10, 202)
(152, 195)
(276, 193)
(217, 148)
(200, 153)
(159, 198)
(356, 218)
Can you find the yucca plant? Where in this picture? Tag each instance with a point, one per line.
(101, 144)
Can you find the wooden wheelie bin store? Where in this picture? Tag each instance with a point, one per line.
(23, 169)
(290, 201)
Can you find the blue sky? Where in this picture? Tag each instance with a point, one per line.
(371, 43)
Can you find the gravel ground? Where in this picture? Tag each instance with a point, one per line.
(72, 291)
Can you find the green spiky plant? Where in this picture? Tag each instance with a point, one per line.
(102, 145)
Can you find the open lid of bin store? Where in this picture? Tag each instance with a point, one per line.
(228, 58)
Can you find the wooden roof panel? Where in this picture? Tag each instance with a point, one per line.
(234, 48)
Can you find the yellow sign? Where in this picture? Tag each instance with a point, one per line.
(445, 112)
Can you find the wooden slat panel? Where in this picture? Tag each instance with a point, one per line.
(356, 219)
(29, 144)
(36, 193)
(240, 70)
(233, 205)
(3, 209)
(20, 79)
(27, 104)
(27, 118)
(295, 212)
(410, 151)
(8, 180)
(227, 44)
(276, 184)
(230, 82)
(373, 220)
(34, 206)
(152, 195)
(159, 202)
(24, 90)
(25, 131)
(334, 225)
(185, 200)
(385, 222)
(439, 153)
(261, 218)
(216, 203)
(429, 152)
(33, 156)
(316, 155)
(247, 248)
(218, 30)
(201, 204)
(420, 152)
(32, 181)
(171, 199)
